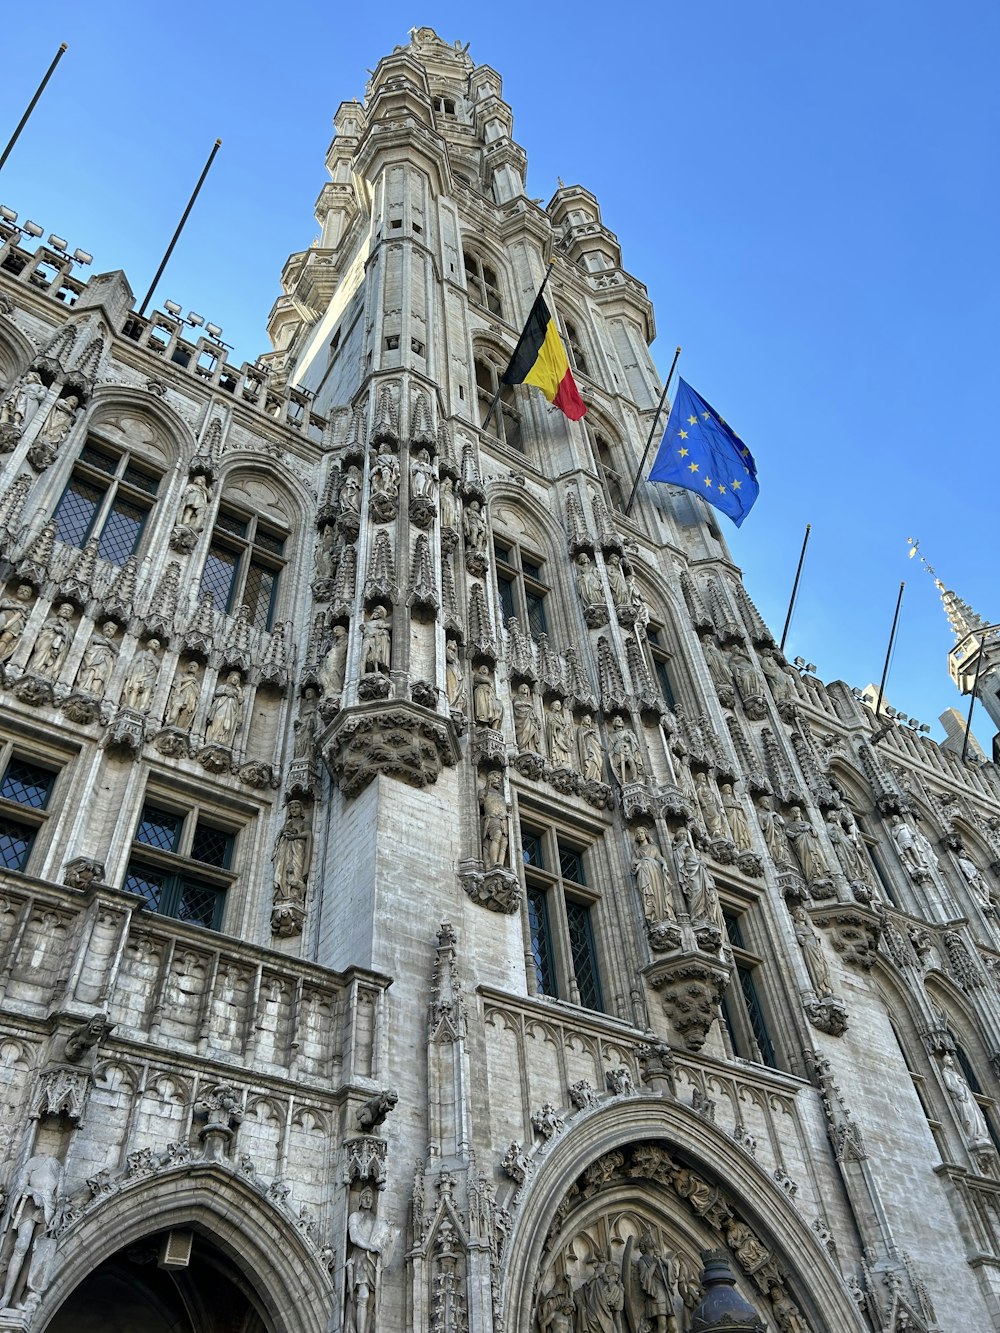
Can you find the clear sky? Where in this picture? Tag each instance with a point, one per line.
(809, 192)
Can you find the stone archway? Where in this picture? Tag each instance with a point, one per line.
(653, 1168)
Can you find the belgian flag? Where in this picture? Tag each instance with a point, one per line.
(540, 359)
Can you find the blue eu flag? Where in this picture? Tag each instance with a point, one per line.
(700, 452)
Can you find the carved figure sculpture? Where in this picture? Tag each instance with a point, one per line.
(325, 548)
(474, 523)
(749, 681)
(224, 716)
(912, 846)
(35, 1193)
(650, 869)
(718, 664)
(812, 953)
(526, 728)
(185, 692)
(495, 825)
(449, 506)
(712, 814)
(138, 692)
(454, 677)
(194, 503)
(847, 845)
(626, 757)
(698, 885)
(305, 727)
(376, 641)
(83, 1040)
(778, 677)
(292, 854)
(556, 1309)
(974, 878)
(422, 483)
(621, 594)
(98, 662)
(58, 424)
(807, 845)
(559, 735)
(350, 491)
(486, 706)
(22, 401)
(369, 1241)
(657, 1281)
(14, 612)
(739, 829)
(385, 477)
(600, 1301)
(334, 665)
(53, 642)
(588, 581)
(772, 825)
(588, 739)
(967, 1109)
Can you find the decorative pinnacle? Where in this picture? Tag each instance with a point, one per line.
(961, 617)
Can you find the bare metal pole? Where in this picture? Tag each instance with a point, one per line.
(972, 701)
(888, 655)
(795, 589)
(652, 430)
(180, 227)
(31, 105)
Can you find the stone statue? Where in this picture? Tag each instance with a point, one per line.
(651, 878)
(325, 548)
(449, 505)
(749, 681)
(656, 1277)
(22, 401)
(973, 876)
(292, 854)
(559, 735)
(486, 706)
(807, 846)
(600, 1301)
(224, 715)
(385, 477)
(526, 728)
(556, 1309)
(699, 887)
(588, 581)
(35, 1195)
(626, 757)
(712, 814)
(454, 677)
(967, 1109)
(772, 825)
(350, 491)
(52, 643)
(138, 692)
(588, 739)
(777, 675)
(474, 523)
(422, 482)
(369, 1243)
(304, 746)
(812, 953)
(185, 692)
(847, 845)
(718, 664)
(376, 641)
(194, 503)
(58, 424)
(911, 845)
(82, 1042)
(14, 612)
(739, 829)
(621, 594)
(496, 831)
(98, 662)
(333, 668)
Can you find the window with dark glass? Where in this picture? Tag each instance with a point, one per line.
(108, 496)
(574, 347)
(520, 587)
(559, 910)
(661, 658)
(742, 1006)
(482, 283)
(615, 487)
(24, 793)
(180, 865)
(505, 423)
(243, 566)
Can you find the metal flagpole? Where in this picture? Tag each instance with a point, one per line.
(180, 227)
(500, 385)
(972, 701)
(885, 670)
(63, 47)
(795, 589)
(652, 431)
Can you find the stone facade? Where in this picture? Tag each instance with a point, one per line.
(431, 900)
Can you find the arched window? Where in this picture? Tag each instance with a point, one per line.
(521, 585)
(574, 346)
(109, 495)
(656, 638)
(482, 282)
(609, 470)
(505, 422)
(244, 565)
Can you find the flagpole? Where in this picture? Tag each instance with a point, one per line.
(972, 701)
(63, 47)
(500, 384)
(795, 589)
(885, 670)
(652, 431)
(180, 227)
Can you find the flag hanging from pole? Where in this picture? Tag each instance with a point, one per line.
(540, 359)
(701, 453)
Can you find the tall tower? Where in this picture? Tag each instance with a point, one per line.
(974, 661)
(429, 900)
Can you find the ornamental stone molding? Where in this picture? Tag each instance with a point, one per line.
(691, 987)
(401, 740)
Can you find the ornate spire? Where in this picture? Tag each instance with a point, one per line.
(961, 617)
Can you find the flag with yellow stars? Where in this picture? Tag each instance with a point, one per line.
(701, 453)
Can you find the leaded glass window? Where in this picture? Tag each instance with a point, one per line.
(179, 865)
(109, 496)
(243, 566)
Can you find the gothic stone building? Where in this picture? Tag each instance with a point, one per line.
(430, 901)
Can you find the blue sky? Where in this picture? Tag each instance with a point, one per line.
(808, 191)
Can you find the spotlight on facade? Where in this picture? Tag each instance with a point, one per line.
(196, 320)
(924, 728)
(33, 229)
(213, 330)
(172, 308)
(7, 214)
(82, 257)
(902, 717)
(57, 243)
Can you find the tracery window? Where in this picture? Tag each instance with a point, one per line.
(574, 347)
(109, 495)
(180, 863)
(505, 422)
(743, 1008)
(244, 565)
(616, 488)
(560, 908)
(25, 790)
(520, 586)
(656, 639)
(482, 282)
